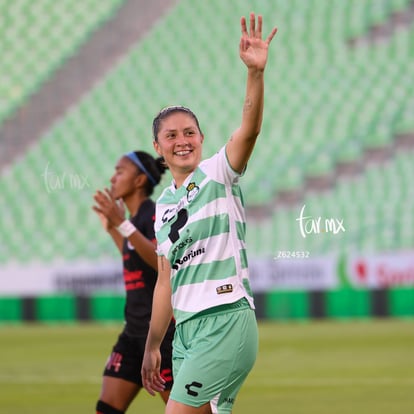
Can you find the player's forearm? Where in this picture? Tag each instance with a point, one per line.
(158, 328)
(253, 104)
(144, 247)
(161, 308)
(117, 238)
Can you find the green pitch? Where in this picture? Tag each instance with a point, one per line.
(364, 367)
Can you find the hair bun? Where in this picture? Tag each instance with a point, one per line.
(161, 165)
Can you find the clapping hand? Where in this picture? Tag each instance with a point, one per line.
(110, 212)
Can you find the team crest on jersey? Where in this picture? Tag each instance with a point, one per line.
(192, 191)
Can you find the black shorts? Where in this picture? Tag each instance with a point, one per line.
(125, 360)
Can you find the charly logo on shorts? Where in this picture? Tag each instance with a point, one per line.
(192, 191)
(192, 392)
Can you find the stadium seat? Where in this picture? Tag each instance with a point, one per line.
(326, 103)
(38, 36)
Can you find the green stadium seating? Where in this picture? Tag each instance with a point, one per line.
(377, 209)
(326, 102)
(37, 36)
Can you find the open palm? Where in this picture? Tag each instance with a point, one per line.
(253, 49)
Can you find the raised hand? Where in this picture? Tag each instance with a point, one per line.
(104, 221)
(253, 49)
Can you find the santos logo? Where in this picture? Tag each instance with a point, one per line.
(187, 257)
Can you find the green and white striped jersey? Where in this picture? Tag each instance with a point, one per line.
(200, 227)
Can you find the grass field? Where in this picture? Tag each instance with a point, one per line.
(364, 367)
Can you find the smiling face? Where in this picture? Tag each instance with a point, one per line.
(179, 141)
(124, 181)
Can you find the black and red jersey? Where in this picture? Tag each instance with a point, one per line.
(139, 277)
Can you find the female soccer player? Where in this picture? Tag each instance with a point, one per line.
(202, 264)
(136, 175)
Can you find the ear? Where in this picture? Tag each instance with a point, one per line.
(202, 138)
(139, 180)
(157, 147)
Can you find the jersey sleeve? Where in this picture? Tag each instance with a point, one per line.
(219, 168)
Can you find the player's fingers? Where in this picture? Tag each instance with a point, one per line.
(151, 383)
(157, 386)
(102, 217)
(159, 380)
(252, 25)
(102, 205)
(272, 35)
(243, 26)
(259, 26)
(109, 194)
(146, 380)
(99, 197)
(148, 387)
(97, 200)
(242, 44)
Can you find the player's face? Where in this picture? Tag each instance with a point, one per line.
(123, 180)
(179, 142)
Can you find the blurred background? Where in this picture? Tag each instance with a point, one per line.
(329, 190)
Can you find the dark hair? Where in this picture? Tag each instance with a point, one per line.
(165, 112)
(155, 168)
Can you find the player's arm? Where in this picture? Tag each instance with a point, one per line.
(114, 214)
(117, 238)
(144, 247)
(112, 231)
(253, 51)
(160, 319)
